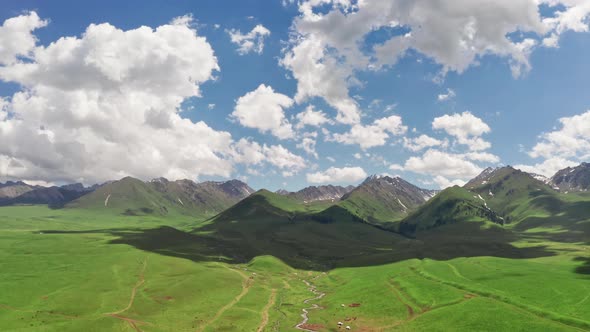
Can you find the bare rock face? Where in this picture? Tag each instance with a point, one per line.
(12, 193)
(317, 193)
(12, 189)
(572, 178)
(483, 178)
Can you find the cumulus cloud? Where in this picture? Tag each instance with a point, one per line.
(444, 183)
(466, 128)
(375, 134)
(282, 158)
(252, 41)
(337, 175)
(329, 44)
(434, 162)
(565, 146)
(311, 117)
(252, 153)
(248, 152)
(421, 142)
(319, 75)
(263, 109)
(308, 143)
(396, 167)
(106, 104)
(571, 140)
(482, 156)
(548, 167)
(450, 94)
(16, 38)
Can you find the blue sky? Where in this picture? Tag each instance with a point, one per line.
(491, 86)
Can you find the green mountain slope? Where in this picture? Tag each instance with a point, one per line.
(514, 194)
(452, 205)
(531, 206)
(162, 197)
(128, 196)
(382, 200)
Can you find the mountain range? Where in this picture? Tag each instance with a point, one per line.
(501, 196)
(320, 193)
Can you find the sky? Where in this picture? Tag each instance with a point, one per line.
(287, 94)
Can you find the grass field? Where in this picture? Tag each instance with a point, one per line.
(72, 270)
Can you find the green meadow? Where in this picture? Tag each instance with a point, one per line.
(79, 270)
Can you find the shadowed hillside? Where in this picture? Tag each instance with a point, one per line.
(270, 224)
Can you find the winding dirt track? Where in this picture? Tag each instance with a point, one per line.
(133, 322)
(247, 282)
(398, 294)
(271, 302)
(140, 282)
(117, 314)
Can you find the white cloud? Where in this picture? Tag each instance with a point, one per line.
(447, 96)
(263, 109)
(421, 142)
(465, 127)
(548, 167)
(210, 106)
(248, 152)
(310, 117)
(574, 17)
(328, 46)
(16, 38)
(282, 158)
(571, 140)
(396, 167)
(252, 41)
(318, 75)
(106, 104)
(252, 153)
(434, 162)
(563, 147)
(308, 145)
(372, 135)
(482, 156)
(444, 183)
(287, 174)
(337, 175)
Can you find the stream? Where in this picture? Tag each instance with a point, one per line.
(305, 311)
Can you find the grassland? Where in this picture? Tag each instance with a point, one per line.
(75, 270)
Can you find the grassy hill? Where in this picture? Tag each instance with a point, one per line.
(514, 194)
(452, 205)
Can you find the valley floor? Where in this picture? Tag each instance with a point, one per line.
(66, 270)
